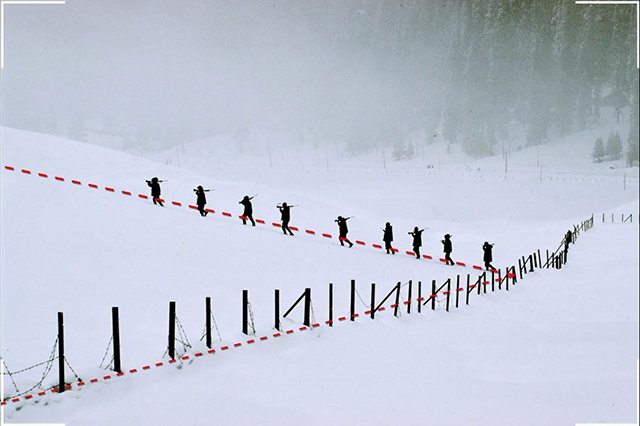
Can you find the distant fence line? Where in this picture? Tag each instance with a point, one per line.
(449, 294)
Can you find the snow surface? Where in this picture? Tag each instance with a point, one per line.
(559, 348)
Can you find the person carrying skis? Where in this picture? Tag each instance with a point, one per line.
(343, 230)
(448, 248)
(388, 238)
(248, 210)
(417, 240)
(568, 238)
(201, 200)
(488, 255)
(154, 184)
(285, 216)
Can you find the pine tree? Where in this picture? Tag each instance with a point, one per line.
(598, 151)
(614, 146)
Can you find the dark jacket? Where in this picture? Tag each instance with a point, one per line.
(417, 238)
(202, 199)
(488, 249)
(248, 208)
(447, 245)
(155, 188)
(285, 213)
(388, 234)
(342, 227)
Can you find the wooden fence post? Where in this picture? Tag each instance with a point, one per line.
(307, 307)
(61, 385)
(115, 326)
(373, 300)
(245, 311)
(352, 314)
(172, 330)
(330, 304)
(277, 310)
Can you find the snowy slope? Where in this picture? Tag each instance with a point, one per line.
(81, 250)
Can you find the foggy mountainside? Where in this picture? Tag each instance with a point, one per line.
(152, 75)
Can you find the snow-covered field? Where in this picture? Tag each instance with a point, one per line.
(559, 348)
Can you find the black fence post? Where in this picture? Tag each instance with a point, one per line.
(493, 280)
(396, 310)
(520, 267)
(352, 314)
(419, 296)
(276, 316)
(547, 265)
(207, 321)
(373, 300)
(115, 326)
(409, 298)
(245, 311)
(172, 330)
(535, 260)
(457, 287)
(307, 307)
(61, 385)
(468, 284)
(330, 304)
(433, 295)
(531, 263)
(448, 292)
(539, 259)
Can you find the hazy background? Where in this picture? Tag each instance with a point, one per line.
(148, 75)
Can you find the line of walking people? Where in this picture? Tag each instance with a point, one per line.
(343, 230)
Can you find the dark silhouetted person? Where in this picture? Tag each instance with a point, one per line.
(201, 200)
(154, 184)
(417, 240)
(488, 255)
(448, 248)
(285, 215)
(343, 230)
(388, 238)
(568, 238)
(248, 210)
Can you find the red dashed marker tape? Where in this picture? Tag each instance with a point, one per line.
(26, 172)
(326, 235)
(198, 354)
(304, 328)
(382, 308)
(459, 289)
(260, 221)
(277, 334)
(146, 367)
(224, 348)
(477, 267)
(276, 224)
(263, 338)
(237, 345)
(211, 351)
(362, 243)
(395, 250)
(378, 246)
(410, 253)
(159, 364)
(60, 178)
(443, 260)
(126, 192)
(107, 377)
(486, 283)
(143, 196)
(92, 185)
(511, 275)
(461, 264)
(93, 380)
(107, 188)
(446, 293)
(9, 168)
(176, 203)
(76, 182)
(133, 370)
(317, 324)
(426, 256)
(250, 342)
(289, 331)
(44, 175)
(294, 228)
(310, 231)
(357, 315)
(172, 361)
(191, 206)
(210, 210)
(229, 215)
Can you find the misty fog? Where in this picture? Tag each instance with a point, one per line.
(154, 74)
